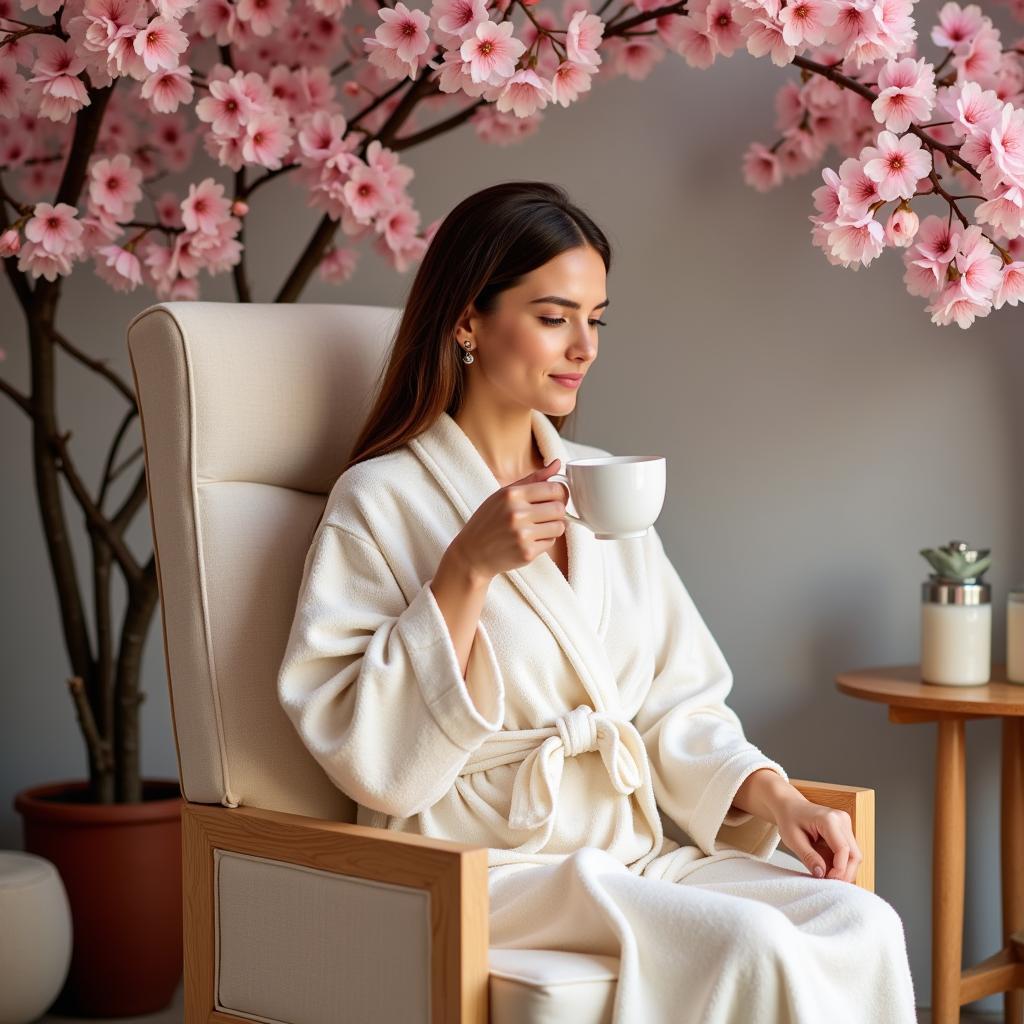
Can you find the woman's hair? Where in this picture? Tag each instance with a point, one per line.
(485, 245)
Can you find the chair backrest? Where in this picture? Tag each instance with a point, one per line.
(248, 413)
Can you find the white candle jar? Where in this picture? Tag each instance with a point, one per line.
(956, 632)
(1015, 635)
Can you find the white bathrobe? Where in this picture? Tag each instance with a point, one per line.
(599, 726)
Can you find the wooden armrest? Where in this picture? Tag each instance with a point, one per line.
(859, 803)
(455, 875)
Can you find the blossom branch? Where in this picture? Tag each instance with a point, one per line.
(829, 72)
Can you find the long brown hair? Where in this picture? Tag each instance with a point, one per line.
(485, 245)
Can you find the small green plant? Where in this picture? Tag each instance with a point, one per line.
(958, 561)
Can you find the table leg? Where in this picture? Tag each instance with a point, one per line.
(1012, 848)
(949, 845)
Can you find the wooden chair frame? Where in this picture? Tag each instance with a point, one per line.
(455, 875)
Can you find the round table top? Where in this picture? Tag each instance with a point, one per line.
(901, 686)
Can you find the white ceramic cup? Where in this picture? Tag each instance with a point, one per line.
(615, 496)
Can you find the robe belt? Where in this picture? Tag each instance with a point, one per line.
(543, 752)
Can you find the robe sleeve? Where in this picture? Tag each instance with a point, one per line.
(698, 753)
(372, 682)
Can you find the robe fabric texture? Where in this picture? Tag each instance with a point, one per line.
(589, 747)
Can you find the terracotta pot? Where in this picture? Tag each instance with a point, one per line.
(121, 866)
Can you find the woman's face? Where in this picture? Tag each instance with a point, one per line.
(545, 326)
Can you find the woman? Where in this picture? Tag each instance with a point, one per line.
(467, 662)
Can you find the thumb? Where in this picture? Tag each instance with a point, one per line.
(813, 860)
(540, 474)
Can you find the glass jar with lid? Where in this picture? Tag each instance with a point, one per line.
(956, 617)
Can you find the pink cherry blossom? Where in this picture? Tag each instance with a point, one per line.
(569, 82)
(120, 267)
(174, 9)
(957, 25)
(896, 164)
(404, 31)
(98, 228)
(582, 37)
(227, 106)
(205, 206)
(1005, 210)
(321, 134)
(973, 109)
(806, 21)
(826, 197)
(267, 139)
(398, 225)
(978, 264)
(693, 42)
(935, 246)
(115, 186)
(216, 18)
(57, 68)
(724, 27)
(983, 54)
(856, 190)
(388, 60)
(906, 93)
(456, 20)
(1011, 285)
(168, 89)
(338, 265)
(160, 43)
(524, 93)
(764, 36)
(262, 16)
(12, 87)
(10, 242)
(1007, 135)
(761, 167)
(491, 52)
(635, 57)
(901, 227)
(54, 227)
(953, 303)
(856, 241)
(38, 261)
(366, 192)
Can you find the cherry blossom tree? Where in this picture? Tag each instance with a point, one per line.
(102, 99)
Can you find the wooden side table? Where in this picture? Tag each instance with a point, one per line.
(911, 700)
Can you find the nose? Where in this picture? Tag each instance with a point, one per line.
(584, 345)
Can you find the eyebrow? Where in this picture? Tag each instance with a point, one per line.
(559, 301)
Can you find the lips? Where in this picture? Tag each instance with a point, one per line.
(568, 376)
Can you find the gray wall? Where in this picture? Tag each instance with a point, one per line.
(819, 431)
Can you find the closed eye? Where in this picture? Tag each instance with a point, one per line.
(554, 321)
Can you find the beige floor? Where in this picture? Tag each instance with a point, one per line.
(173, 1015)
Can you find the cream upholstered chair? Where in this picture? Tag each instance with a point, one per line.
(292, 912)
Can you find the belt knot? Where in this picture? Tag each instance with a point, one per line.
(578, 730)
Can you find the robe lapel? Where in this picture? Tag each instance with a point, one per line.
(572, 609)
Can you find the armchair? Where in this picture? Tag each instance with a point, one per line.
(292, 912)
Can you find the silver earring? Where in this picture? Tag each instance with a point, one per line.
(467, 356)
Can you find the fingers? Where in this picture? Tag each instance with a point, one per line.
(811, 859)
(836, 828)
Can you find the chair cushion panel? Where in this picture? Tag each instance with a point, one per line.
(305, 946)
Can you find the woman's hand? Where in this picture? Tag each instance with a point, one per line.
(822, 837)
(513, 525)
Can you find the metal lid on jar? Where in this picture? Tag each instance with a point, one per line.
(940, 591)
(958, 585)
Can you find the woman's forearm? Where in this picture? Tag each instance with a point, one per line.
(761, 791)
(460, 592)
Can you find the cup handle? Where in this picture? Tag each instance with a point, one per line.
(561, 478)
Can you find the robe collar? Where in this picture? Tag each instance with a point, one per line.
(573, 609)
